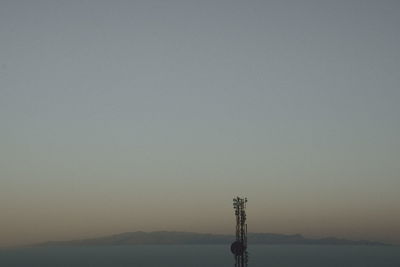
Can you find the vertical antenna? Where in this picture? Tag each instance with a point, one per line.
(239, 246)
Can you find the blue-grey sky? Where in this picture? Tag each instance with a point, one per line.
(152, 115)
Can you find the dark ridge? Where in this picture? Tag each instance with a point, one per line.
(187, 238)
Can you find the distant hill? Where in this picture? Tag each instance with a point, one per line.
(187, 238)
(279, 239)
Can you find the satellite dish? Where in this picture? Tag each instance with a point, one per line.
(237, 248)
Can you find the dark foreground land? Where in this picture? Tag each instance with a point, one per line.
(201, 255)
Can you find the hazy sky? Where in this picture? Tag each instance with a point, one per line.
(152, 115)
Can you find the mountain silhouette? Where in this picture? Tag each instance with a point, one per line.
(188, 238)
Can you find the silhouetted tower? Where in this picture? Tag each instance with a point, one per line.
(239, 247)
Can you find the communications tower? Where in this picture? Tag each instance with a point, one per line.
(239, 247)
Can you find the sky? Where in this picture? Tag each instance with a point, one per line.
(120, 116)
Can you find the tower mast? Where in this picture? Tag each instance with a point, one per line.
(239, 246)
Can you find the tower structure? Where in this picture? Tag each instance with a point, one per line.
(239, 246)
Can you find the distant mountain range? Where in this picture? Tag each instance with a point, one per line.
(187, 238)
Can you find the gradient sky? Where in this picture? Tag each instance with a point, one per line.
(152, 115)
